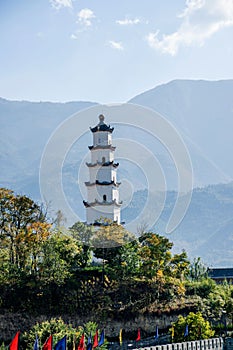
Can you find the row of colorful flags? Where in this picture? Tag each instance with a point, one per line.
(97, 341)
(91, 343)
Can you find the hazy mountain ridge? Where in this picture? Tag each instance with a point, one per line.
(25, 130)
(202, 112)
(207, 228)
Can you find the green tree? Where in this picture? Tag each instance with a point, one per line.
(220, 301)
(108, 240)
(155, 255)
(198, 270)
(125, 262)
(61, 257)
(83, 234)
(198, 328)
(55, 327)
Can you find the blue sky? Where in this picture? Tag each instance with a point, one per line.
(110, 51)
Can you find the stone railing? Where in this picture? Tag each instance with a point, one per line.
(207, 344)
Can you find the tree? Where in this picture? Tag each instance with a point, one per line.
(61, 257)
(197, 328)
(60, 219)
(179, 265)
(83, 234)
(108, 240)
(19, 215)
(197, 270)
(55, 327)
(29, 242)
(220, 299)
(155, 254)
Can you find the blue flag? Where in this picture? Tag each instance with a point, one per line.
(101, 340)
(36, 344)
(89, 342)
(61, 344)
(186, 332)
(156, 332)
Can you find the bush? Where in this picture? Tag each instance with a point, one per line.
(55, 327)
(198, 328)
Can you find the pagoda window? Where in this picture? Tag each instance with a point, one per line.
(103, 160)
(104, 197)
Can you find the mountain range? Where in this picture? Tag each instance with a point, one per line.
(202, 113)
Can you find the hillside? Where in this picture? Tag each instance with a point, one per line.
(25, 130)
(202, 111)
(207, 228)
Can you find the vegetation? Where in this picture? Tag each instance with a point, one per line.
(57, 327)
(45, 268)
(192, 327)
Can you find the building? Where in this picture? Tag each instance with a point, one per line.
(102, 188)
(221, 274)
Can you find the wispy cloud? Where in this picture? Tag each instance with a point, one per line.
(117, 45)
(200, 20)
(85, 17)
(73, 37)
(57, 4)
(128, 21)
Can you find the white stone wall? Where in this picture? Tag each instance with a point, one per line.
(102, 138)
(102, 173)
(100, 155)
(110, 212)
(98, 191)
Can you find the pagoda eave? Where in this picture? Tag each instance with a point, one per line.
(104, 183)
(102, 127)
(102, 203)
(92, 165)
(92, 148)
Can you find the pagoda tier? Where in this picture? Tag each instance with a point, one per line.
(90, 165)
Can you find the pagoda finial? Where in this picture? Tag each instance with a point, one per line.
(101, 118)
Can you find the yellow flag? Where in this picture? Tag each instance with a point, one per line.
(120, 337)
(74, 339)
(172, 332)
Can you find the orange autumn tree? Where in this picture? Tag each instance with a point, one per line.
(22, 226)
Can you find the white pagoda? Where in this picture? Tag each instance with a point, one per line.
(102, 187)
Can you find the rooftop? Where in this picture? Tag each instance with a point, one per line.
(101, 126)
(221, 272)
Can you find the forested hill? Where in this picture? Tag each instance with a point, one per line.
(207, 228)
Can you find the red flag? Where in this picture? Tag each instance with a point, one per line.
(81, 345)
(48, 345)
(138, 335)
(95, 340)
(14, 345)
